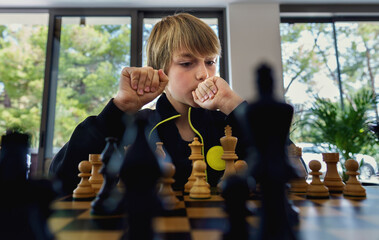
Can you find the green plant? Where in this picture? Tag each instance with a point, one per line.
(345, 128)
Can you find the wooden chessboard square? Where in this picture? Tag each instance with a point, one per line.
(296, 197)
(171, 224)
(319, 211)
(338, 222)
(304, 223)
(96, 224)
(71, 205)
(206, 212)
(361, 234)
(206, 235)
(311, 234)
(304, 203)
(67, 213)
(87, 215)
(173, 236)
(178, 212)
(85, 235)
(205, 204)
(329, 202)
(56, 224)
(372, 219)
(208, 223)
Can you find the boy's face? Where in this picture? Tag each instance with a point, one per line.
(186, 72)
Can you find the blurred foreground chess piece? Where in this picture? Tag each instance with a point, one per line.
(140, 172)
(267, 122)
(108, 198)
(353, 188)
(332, 179)
(196, 155)
(84, 189)
(316, 189)
(235, 191)
(25, 204)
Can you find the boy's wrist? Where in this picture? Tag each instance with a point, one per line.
(230, 103)
(127, 107)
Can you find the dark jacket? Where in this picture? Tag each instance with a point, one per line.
(89, 138)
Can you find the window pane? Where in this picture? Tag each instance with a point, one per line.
(23, 39)
(309, 67)
(93, 50)
(358, 47)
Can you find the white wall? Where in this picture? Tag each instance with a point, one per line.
(254, 37)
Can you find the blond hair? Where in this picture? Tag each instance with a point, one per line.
(176, 32)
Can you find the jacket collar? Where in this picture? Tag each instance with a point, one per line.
(164, 107)
(166, 110)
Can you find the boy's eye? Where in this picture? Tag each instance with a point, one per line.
(186, 64)
(211, 63)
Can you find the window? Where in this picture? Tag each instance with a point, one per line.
(309, 66)
(93, 51)
(337, 59)
(23, 39)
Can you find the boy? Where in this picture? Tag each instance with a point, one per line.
(185, 51)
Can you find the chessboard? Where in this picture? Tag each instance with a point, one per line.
(326, 219)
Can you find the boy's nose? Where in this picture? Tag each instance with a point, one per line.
(202, 73)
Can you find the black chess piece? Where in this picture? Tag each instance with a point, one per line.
(140, 172)
(24, 205)
(268, 122)
(13, 157)
(107, 201)
(235, 191)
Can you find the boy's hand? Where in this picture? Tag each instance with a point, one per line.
(139, 86)
(215, 93)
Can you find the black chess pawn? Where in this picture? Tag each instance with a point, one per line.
(107, 201)
(268, 122)
(235, 191)
(140, 172)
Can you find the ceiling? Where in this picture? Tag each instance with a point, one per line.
(159, 3)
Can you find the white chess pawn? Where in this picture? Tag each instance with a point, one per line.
(200, 189)
(84, 189)
(167, 195)
(241, 167)
(96, 178)
(317, 188)
(353, 188)
(332, 179)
